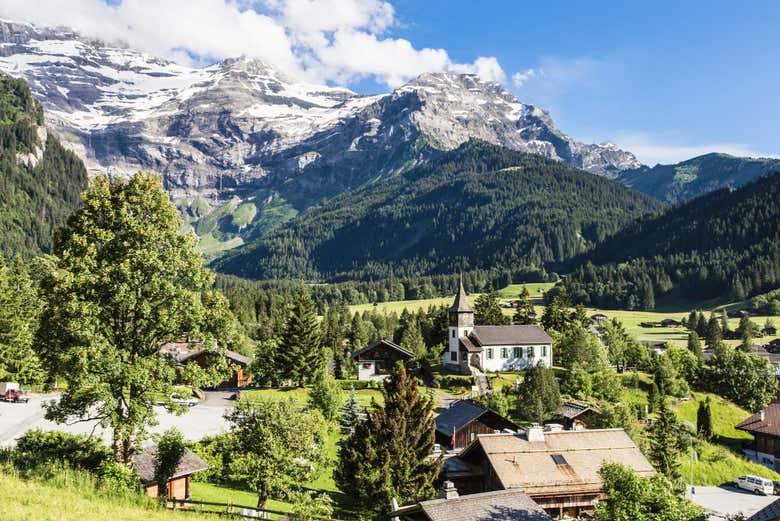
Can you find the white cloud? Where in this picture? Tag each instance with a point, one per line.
(651, 151)
(322, 40)
(519, 78)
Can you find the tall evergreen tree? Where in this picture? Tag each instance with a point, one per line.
(350, 412)
(388, 454)
(539, 395)
(412, 340)
(524, 313)
(694, 345)
(664, 438)
(358, 332)
(714, 332)
(704, 419)
(299, 357)
(20, 310)
(487, 310)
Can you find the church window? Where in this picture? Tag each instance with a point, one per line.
(489, 353)
(504, 353)
(517, 352)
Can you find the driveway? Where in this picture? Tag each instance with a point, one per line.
(720, 502)
(205, 419)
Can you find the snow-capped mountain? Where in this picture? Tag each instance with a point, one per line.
(238, 130)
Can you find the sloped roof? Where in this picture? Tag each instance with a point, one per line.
(530, 466)
(144, 464)
(461, 304)
(510, 335)
(572, 410)
(771, 512)
(499, 505)
(468, 345)
(458, 415)
(385, 343)
(769, 425)
(230, 355)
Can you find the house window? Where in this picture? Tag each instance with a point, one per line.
(489, 353)
(531, 352)
(559, 459)
(453, 333)
(544, 350)
(504, 353)
(454, 356)
(517, 352)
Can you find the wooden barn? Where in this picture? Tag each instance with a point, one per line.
(459, 424)
(377, 359)
(179, 484)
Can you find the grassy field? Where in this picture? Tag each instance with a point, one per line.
(31, 500)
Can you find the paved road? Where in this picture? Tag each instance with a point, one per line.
(205, 419)
(724, 501)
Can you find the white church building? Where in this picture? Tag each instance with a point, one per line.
(492, 348)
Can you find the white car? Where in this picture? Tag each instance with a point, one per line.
(756, 484)
(181, 400)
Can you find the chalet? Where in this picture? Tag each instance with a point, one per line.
(474, 348)
(239, 376)
(497, 505)
(377, 359)
(670, 322)
(769, 330)
(458, 425)
(765, 428)
(598, 318)
(559, 470)
(179, 483)
(575, 415)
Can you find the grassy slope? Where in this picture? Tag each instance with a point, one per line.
(25, 500)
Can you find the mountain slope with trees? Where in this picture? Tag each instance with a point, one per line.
(697, 176)
(477, 206)
(40, 181)
(724, 244)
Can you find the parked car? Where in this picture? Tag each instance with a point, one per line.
(181, 400)
(15, 396)
(777, 488)
(755, 484)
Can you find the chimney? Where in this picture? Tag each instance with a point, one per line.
(535, 432)
(448, 491)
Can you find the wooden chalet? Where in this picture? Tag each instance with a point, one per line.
(765, 428)
(239, 376)
(498, 505)
(670, 322)
(574, 415)
(179, 483)
(458, 424)
(377, 359)
(559, 470)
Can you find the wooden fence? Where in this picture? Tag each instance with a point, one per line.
(226, 509)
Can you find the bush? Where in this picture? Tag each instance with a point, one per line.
(216, 451)
(36, 447)
(451, 381)
(358, 384)
(113, 476)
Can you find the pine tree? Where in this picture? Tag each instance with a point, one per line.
(350, 412)
(388, 454)
(412, 340)
(747, 340)
(525, 313)
(487, 310)
(701, 325)
(704, 419)
(714, 332)
(539, 396)
(694, 345)
(724, 322)
(652, 397)
(299, 357)
(664, 438)
(358, 332)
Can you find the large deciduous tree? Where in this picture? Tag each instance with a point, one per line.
(123, 281)
(388, 454)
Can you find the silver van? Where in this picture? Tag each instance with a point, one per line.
(755, 484)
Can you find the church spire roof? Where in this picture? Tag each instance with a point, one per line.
(461, 304)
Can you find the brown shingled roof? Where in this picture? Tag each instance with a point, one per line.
(769, 425)
(510, 335)
(468, 345)
(499, 505)
(530, 466)
(461, 304)
(144, 464)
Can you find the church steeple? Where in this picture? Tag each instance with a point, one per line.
(461, 313)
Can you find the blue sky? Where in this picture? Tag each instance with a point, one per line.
(665, 80)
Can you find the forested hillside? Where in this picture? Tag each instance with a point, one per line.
(724, 244)
(697, 176)
(478, 206)
(40, 181)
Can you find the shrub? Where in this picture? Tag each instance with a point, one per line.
(37, 447)
(357, 384)
(116, 477)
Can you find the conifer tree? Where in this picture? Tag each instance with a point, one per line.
(358, 332)
(714, 332)
(652, 397)
(704, 419)
(664, 438)
(487, 310)
(524, 313)
(388, 454)
(412, 339)
(724, 321)
(694, 345)
(539, 396)
(299, 357)
(701, 325)
(350, 412)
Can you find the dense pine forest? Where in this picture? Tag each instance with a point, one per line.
(478, 207)
(40, 181)
(724, 244)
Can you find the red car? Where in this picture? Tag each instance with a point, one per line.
(15, 395)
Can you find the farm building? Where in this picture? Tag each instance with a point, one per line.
(179, 483)
(377, 359)
(239, 376)
(458, 424)
(765, 428)
(575, 415)
(498, 505)
(474, 348)
(558, 470)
